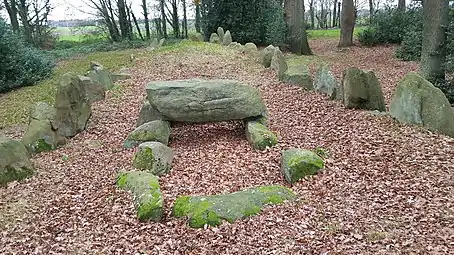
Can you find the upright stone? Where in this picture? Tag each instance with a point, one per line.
(154, 131)
(161, 42)
(279, 64)
(41, 135)
(197, 100)
(417, 101)
(214, 38)
(94, 90)
(227, 38)
(15, 164)
(197, 37)
(147, 114)
(220, 33)
(266, 55)
(298, 75)
(326, 83)
(73, 107)
(103, 77)
(250, 48)
(362, 90)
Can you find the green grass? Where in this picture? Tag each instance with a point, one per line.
(330, 33)
(16, 104)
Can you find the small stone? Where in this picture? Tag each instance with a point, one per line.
(220, 33)
(227, 38)
(15, 164)
(259, 136)
(94, 90)
(147, 114)
(266, 55)
(325, 82)
(298, 163)
(154, 157)
(154, 131)
(279, 64)
(298, 75)
(214, 38)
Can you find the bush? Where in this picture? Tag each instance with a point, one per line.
(410, 49)
(261, 22)
(389, 26)
(20, 65)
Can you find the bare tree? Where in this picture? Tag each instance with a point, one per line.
(12, 12)
(347, 23)
(197, 16)
(146, 20)
(185, 20)
(162, 4)
(401, 5)
(335, 13)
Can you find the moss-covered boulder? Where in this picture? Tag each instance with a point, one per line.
(417, 101)
(362, 90)
(212, 210)
(227, 38)
(266, 55)
(197, 37)
(251, 48)
(15, 164)
(145, 187)
(214, 38)
(147, 114)
(154, 157)
(259, 136)
(298, 75)
(94, 90)
(197, 100)
(220, 33)
(237, 46)
(298, 163)
(73, 106)
(326, 83)
(154, 131)
(41, 134)
(279, 64)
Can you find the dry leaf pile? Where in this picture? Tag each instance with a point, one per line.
(387, 188)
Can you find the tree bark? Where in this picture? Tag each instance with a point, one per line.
(185, 20)
(12, 12)
(371, 11)
(433, 55)
(163, 18)
(312, 13)
(335, 13)
(137, 25)
(347, 23)
(401, 5)
(146, 20)
(123, 19)
(197, 18)
(296, 34)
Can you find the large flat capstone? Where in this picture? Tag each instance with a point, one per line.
(197, 100)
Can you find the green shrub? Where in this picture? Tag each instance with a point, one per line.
(410, 49)
(257, 21)
(20, 65)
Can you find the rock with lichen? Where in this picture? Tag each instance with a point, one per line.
(212, 210)
(154, 157)
(259, 136)
(15, 164)
(298, 163)
(154, 131)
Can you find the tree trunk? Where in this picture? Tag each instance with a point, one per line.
(433, 55)
(347, 23)
(146, 20)
(123, 19)
(312, 13)
(185, 20)
(12, 12)
(401, 5)
(296, 34)
(371, 11)
(338, 13)
(335, 13)
(22, 10)
(137, 26)
(163, 18)
(197, 18)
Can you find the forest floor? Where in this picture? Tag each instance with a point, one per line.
(387, 188)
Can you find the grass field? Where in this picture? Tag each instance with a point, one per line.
(330, 33)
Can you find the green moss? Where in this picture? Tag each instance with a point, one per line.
(259, 136)
(147, 194)
(157, 130)
(9, 174)
(144, 159)
(297, 163)
(41, 145)
(212, 210)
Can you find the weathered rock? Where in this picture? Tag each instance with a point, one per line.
(147, 114)
(220, 33)
(250, 48)
(154, 131)
(259, 136)
(73, 108)
(417, 101)
(154, 157)
(95, 66)
(266, 55)
(161, 42)
(298, 163)
(197, 37)
(227, 38)
(154, 43)
(214, 38)
(148, 199)
(279, 64)
(298, 75)
(325, 82)
(362, 90)
(212, 210)
(120, 77)
(237, 46)
(15, 164)
(198, 100)
(103, 77)
(41, 135)
(94, 90)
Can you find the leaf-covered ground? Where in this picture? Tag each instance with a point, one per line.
(387, 188)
